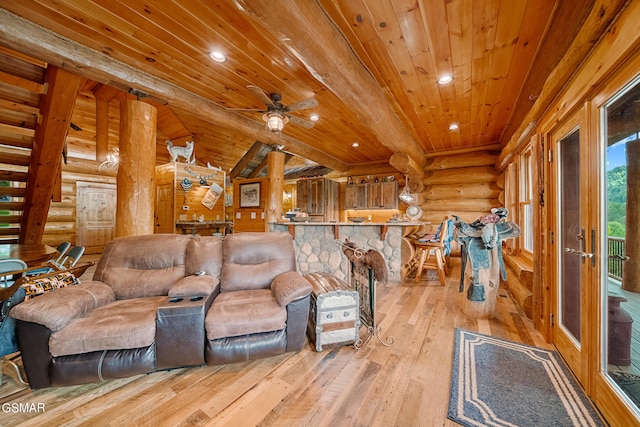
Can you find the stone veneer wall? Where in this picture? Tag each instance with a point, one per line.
(317, 250)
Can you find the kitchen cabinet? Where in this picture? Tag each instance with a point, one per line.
(355, 196)
(375, 195)
(383, 195)
(318, 197)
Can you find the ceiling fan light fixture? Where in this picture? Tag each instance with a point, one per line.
(453, 126)
(314, 117)
(275, 121)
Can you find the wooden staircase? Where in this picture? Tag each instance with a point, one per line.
(21, 88)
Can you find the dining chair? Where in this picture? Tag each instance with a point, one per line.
(9, 350)
(11, 293)
(7, 265)
(62, 250)
(434, 251)
(72, 258)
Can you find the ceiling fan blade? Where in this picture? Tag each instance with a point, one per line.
(302, 105)
(300, 122)
(261, 94)
(258, 110)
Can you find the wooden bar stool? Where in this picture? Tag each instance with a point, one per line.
(432, 253)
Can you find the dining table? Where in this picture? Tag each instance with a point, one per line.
(32, 254)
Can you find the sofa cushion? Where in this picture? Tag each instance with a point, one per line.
(143, 266)
(57, 309)
(244, 312)
(204, 253)
(122, 324)
(194, 286)
(253, 260)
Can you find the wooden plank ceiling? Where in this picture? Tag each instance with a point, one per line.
(372, 65)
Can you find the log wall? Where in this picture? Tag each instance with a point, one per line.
(465, 185)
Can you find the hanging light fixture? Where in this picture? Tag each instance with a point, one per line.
(112, 161)
(275, 120)
(405, 195)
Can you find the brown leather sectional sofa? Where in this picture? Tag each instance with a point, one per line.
(166, 301)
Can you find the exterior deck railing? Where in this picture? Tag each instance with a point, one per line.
(615, 252)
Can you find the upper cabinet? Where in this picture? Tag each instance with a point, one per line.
(318, 197)
(383, 195)
(355, 196)
(374, 195)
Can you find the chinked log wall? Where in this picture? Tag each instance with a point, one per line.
(465, 185)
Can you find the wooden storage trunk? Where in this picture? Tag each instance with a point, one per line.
(334, 316)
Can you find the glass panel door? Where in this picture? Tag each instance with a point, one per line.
(621, 277)
(571, 237)
(570, 212)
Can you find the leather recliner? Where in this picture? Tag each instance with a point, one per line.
(167, 301)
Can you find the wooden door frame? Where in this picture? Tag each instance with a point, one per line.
(603, 392)
(577, 119)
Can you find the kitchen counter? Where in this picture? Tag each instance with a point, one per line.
(318, 249)
(384, 226)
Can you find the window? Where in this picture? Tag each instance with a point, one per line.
(519, 190)
(525, 197)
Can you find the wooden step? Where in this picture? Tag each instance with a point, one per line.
(9, 231)
(11, 206)
(10, 219)
(14, 176)
(12, 191)
(16, 158)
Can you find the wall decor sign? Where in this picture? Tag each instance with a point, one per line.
(250, 195)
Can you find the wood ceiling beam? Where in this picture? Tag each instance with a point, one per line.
(244, 161)
(56, 107)
(24, 36)
(308, 33)
(263, 164)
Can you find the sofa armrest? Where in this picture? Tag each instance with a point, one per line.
(289, 287)
(192, 286)
(57, 309)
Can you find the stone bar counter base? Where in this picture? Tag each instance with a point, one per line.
(317, 251)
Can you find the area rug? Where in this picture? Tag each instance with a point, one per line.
(495, 382)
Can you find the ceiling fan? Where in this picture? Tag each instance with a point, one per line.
(277, 114)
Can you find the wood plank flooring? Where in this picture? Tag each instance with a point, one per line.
(406, 384)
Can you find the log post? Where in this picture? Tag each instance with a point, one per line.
(490, 279)
(136, 172)
(631, 267)
(275, 173)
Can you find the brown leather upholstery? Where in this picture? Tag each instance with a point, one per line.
(253, 260)
(143, 266)
(246, 321)
(146, 308)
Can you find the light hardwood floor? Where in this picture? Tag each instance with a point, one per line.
(406, 384)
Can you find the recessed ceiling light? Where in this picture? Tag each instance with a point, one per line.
(314, 117)
(217, 56)
(444, 79)
(355, 144)
(453, 126)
